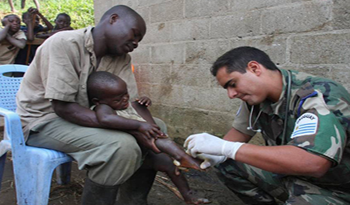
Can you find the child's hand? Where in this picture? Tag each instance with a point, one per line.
(5, 22)
(32, 10)
(144, 101)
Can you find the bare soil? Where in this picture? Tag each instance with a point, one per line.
(163, 191)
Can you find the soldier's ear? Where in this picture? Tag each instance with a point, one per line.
(254, 67)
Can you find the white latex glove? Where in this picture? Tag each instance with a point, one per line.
(210, 144)
(210, 160)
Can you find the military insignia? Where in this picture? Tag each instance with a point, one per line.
(305, 125)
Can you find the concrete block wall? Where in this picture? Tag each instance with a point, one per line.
(184, 37)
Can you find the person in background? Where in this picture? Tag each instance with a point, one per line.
(31, 19)
(12, 39)
(62, 23)
(305, 121)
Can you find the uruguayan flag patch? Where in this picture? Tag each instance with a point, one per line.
(306, 124)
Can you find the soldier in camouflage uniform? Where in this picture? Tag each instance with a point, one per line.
(306, 129)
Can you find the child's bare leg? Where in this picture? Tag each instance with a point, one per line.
(11, 5)
(162, 162)
(171, 148)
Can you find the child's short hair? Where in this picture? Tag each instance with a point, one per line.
(65, 15)
(9, 15)
(99, 81)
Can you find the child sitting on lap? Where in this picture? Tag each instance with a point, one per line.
(110, 99)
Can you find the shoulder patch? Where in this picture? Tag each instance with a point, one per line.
(306, 124)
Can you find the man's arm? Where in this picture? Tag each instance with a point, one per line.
(82, 116)
(236, 136)
(285, 159)
(75, 113)
(290, 160)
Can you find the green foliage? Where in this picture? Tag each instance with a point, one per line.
(80, 11)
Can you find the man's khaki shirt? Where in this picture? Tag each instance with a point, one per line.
(8, 52)
(60, 70)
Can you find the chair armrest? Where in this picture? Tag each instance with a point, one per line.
(13, 129)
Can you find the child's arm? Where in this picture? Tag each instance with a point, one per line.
(109, 118)
(144, 132)
(20, 43)
(30, 27)
(143, 111)
(49, 26)
(4, 31)
(47, 35)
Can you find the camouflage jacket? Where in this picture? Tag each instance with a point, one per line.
(318, 121)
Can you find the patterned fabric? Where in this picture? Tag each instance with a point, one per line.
(318, 122)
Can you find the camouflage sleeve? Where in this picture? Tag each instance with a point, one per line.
(318, 130)
(241, 121)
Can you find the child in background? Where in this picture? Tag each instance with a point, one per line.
(110, 99)
(31, 28)
(11, 39)
(62, 23)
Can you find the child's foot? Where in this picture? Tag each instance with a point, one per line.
(192, 198)
(186, 161)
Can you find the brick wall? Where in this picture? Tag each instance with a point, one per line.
(184, 37)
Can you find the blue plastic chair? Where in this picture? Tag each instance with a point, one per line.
(33, 167)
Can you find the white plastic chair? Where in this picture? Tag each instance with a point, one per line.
(33, 167)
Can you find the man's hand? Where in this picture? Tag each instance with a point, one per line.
(150, 130)
(209, 144)
(210, 160)
(145, 141)
(144, 101)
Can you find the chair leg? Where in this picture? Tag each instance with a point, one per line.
(2, 167)
(33, 184)
(63, 173)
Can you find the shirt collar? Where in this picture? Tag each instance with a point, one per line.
(89, 45)
(276, 107)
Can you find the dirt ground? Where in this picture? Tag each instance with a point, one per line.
(163, 191)
(205, 183)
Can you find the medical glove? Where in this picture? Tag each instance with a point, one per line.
(210, 160)
(210, 144)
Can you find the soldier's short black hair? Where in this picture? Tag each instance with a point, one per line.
(238, 58)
